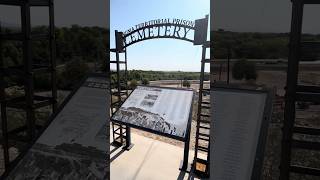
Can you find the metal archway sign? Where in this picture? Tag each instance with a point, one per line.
(164, 28)
(178, 29)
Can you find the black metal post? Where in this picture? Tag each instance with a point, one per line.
(26, 73)
(128, 139)
(52, 46)
(28, 65)
(118, 71)
(186, 151)
(292, 77)
(128, 129)
(5, 141)
(228, 66)
(126, 71)
(203, 123)
(200, 94)
(3, 110)
(220, 71)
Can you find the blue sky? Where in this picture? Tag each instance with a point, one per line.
(158, 54)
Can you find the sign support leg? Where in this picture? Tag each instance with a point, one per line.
(186, 155)
(185, 166)
(129, 145)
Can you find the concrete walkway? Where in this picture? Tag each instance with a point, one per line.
(148, 160)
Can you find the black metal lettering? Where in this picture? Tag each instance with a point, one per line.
(125, 42)
(166, 30)
(192, 23)
(127, 39)
(176, 31)
(132, 38)
(141, 35)
(186, 31)
(151, 32)
(159, 27)
(184, 22)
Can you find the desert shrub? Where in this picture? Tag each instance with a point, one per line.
(186, 83)
(250, 71)
(145, 81)
(133, 84)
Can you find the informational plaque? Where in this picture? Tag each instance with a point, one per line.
(156, 109)
(239, 124)
(74, 145)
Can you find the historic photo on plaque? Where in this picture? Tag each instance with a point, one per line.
(164, 110)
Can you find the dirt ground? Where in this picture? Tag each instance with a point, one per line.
(278, 79)
(306, 117)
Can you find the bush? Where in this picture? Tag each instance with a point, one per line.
(243, 69)
(133, 84)
(238, 69)
(145, 81)
(186, 83)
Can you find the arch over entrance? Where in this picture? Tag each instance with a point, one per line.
(164, 28)
(155, 29)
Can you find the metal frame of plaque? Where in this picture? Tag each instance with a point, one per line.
(186, 139)
(82, 83)
(266, 117)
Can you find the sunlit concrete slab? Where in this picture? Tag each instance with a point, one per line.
(148, 159)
